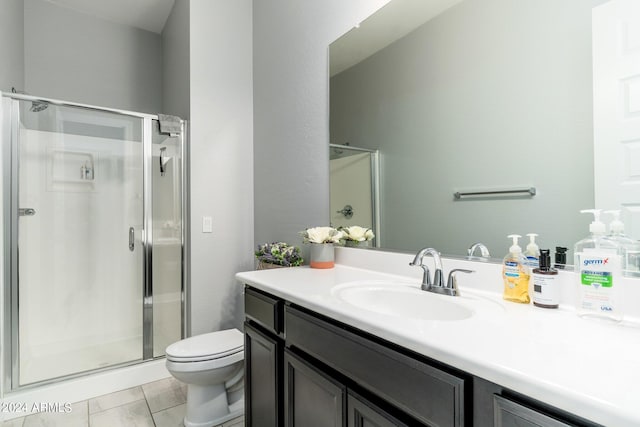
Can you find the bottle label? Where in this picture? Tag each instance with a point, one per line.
(545, 289)
(511, 269)
(516, 282)
(597, 272)
(533, 262)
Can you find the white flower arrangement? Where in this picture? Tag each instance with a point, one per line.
(322, 235)
(355, 233)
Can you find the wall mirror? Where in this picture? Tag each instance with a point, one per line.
(484, 96)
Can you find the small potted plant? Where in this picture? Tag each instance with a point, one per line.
(278, 254)
(355, 235)
(322, 240)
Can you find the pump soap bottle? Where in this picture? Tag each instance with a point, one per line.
(597, 262)
(515, 274)
(532, 252)
(630, 248)
(546, 293)
(560, 257)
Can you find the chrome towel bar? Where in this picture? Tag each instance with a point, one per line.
(531, 191)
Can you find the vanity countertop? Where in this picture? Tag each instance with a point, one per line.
(586, 367)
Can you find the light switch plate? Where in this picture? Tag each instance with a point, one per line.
(207, 224)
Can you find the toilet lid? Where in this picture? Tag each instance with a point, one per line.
(207, 346)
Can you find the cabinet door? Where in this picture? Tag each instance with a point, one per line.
(312, 399)
(423, 391)
(361, 413)
(263, 378)
(511, 414)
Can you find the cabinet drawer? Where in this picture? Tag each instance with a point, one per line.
(263, 309)
(509, 414)
(427, 393)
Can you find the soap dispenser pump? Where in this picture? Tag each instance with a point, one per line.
(515, 274)
(630, 248)
(597, 260)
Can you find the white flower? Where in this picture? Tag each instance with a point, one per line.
(357, 233)
(322, 235)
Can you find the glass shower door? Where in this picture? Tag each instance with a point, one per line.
(166, 179)
(80, 266)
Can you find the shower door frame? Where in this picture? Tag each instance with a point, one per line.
(10, 189)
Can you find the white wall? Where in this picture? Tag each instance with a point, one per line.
(498, 97)
(76, 57)
(175, 61)
(221, 153)
(291, 154)
(11, 45)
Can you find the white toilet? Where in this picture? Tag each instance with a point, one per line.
(212, 366)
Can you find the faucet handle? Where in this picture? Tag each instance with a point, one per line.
(452, 282)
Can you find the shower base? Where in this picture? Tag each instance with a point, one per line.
(54, 361)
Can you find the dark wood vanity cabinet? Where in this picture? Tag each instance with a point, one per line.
(311, 398)
(263, 355)
(305, 370)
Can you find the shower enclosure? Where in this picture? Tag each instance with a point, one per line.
(94, 255)
(354, 188)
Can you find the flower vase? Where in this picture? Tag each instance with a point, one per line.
(268, 266)
(357, 244)
(322, 255)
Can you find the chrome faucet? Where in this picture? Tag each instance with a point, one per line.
(484, 251)
(437, 285)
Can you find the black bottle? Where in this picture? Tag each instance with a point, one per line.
(561, 257)
(546, 291)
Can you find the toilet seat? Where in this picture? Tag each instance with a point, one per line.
(211, 346)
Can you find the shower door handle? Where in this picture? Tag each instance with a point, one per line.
(26, 212)
(132, 238)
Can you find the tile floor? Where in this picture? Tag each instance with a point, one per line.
(157, 404)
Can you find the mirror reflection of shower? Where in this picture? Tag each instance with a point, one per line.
(354, 187)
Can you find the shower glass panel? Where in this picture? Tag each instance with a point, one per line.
(354, 182)
(79, 240)
(166, 179)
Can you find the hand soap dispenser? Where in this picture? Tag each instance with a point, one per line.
(515, 274)
(546, 291)
(597, 262)
(532, 252)
(630, 248)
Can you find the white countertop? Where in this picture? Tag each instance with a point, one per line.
(585, 367)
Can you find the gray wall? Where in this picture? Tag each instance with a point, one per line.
(291, 156)
(486, 95)
(175, 61)
(221, 159)
(11, 45)
(76, 57)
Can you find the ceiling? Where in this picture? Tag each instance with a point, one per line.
(393, 21)
(150, 15)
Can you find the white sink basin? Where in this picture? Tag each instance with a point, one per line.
(405, 300)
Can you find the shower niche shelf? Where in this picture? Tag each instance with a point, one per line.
(72, 171)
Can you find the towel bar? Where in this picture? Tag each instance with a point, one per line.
(530, 191)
